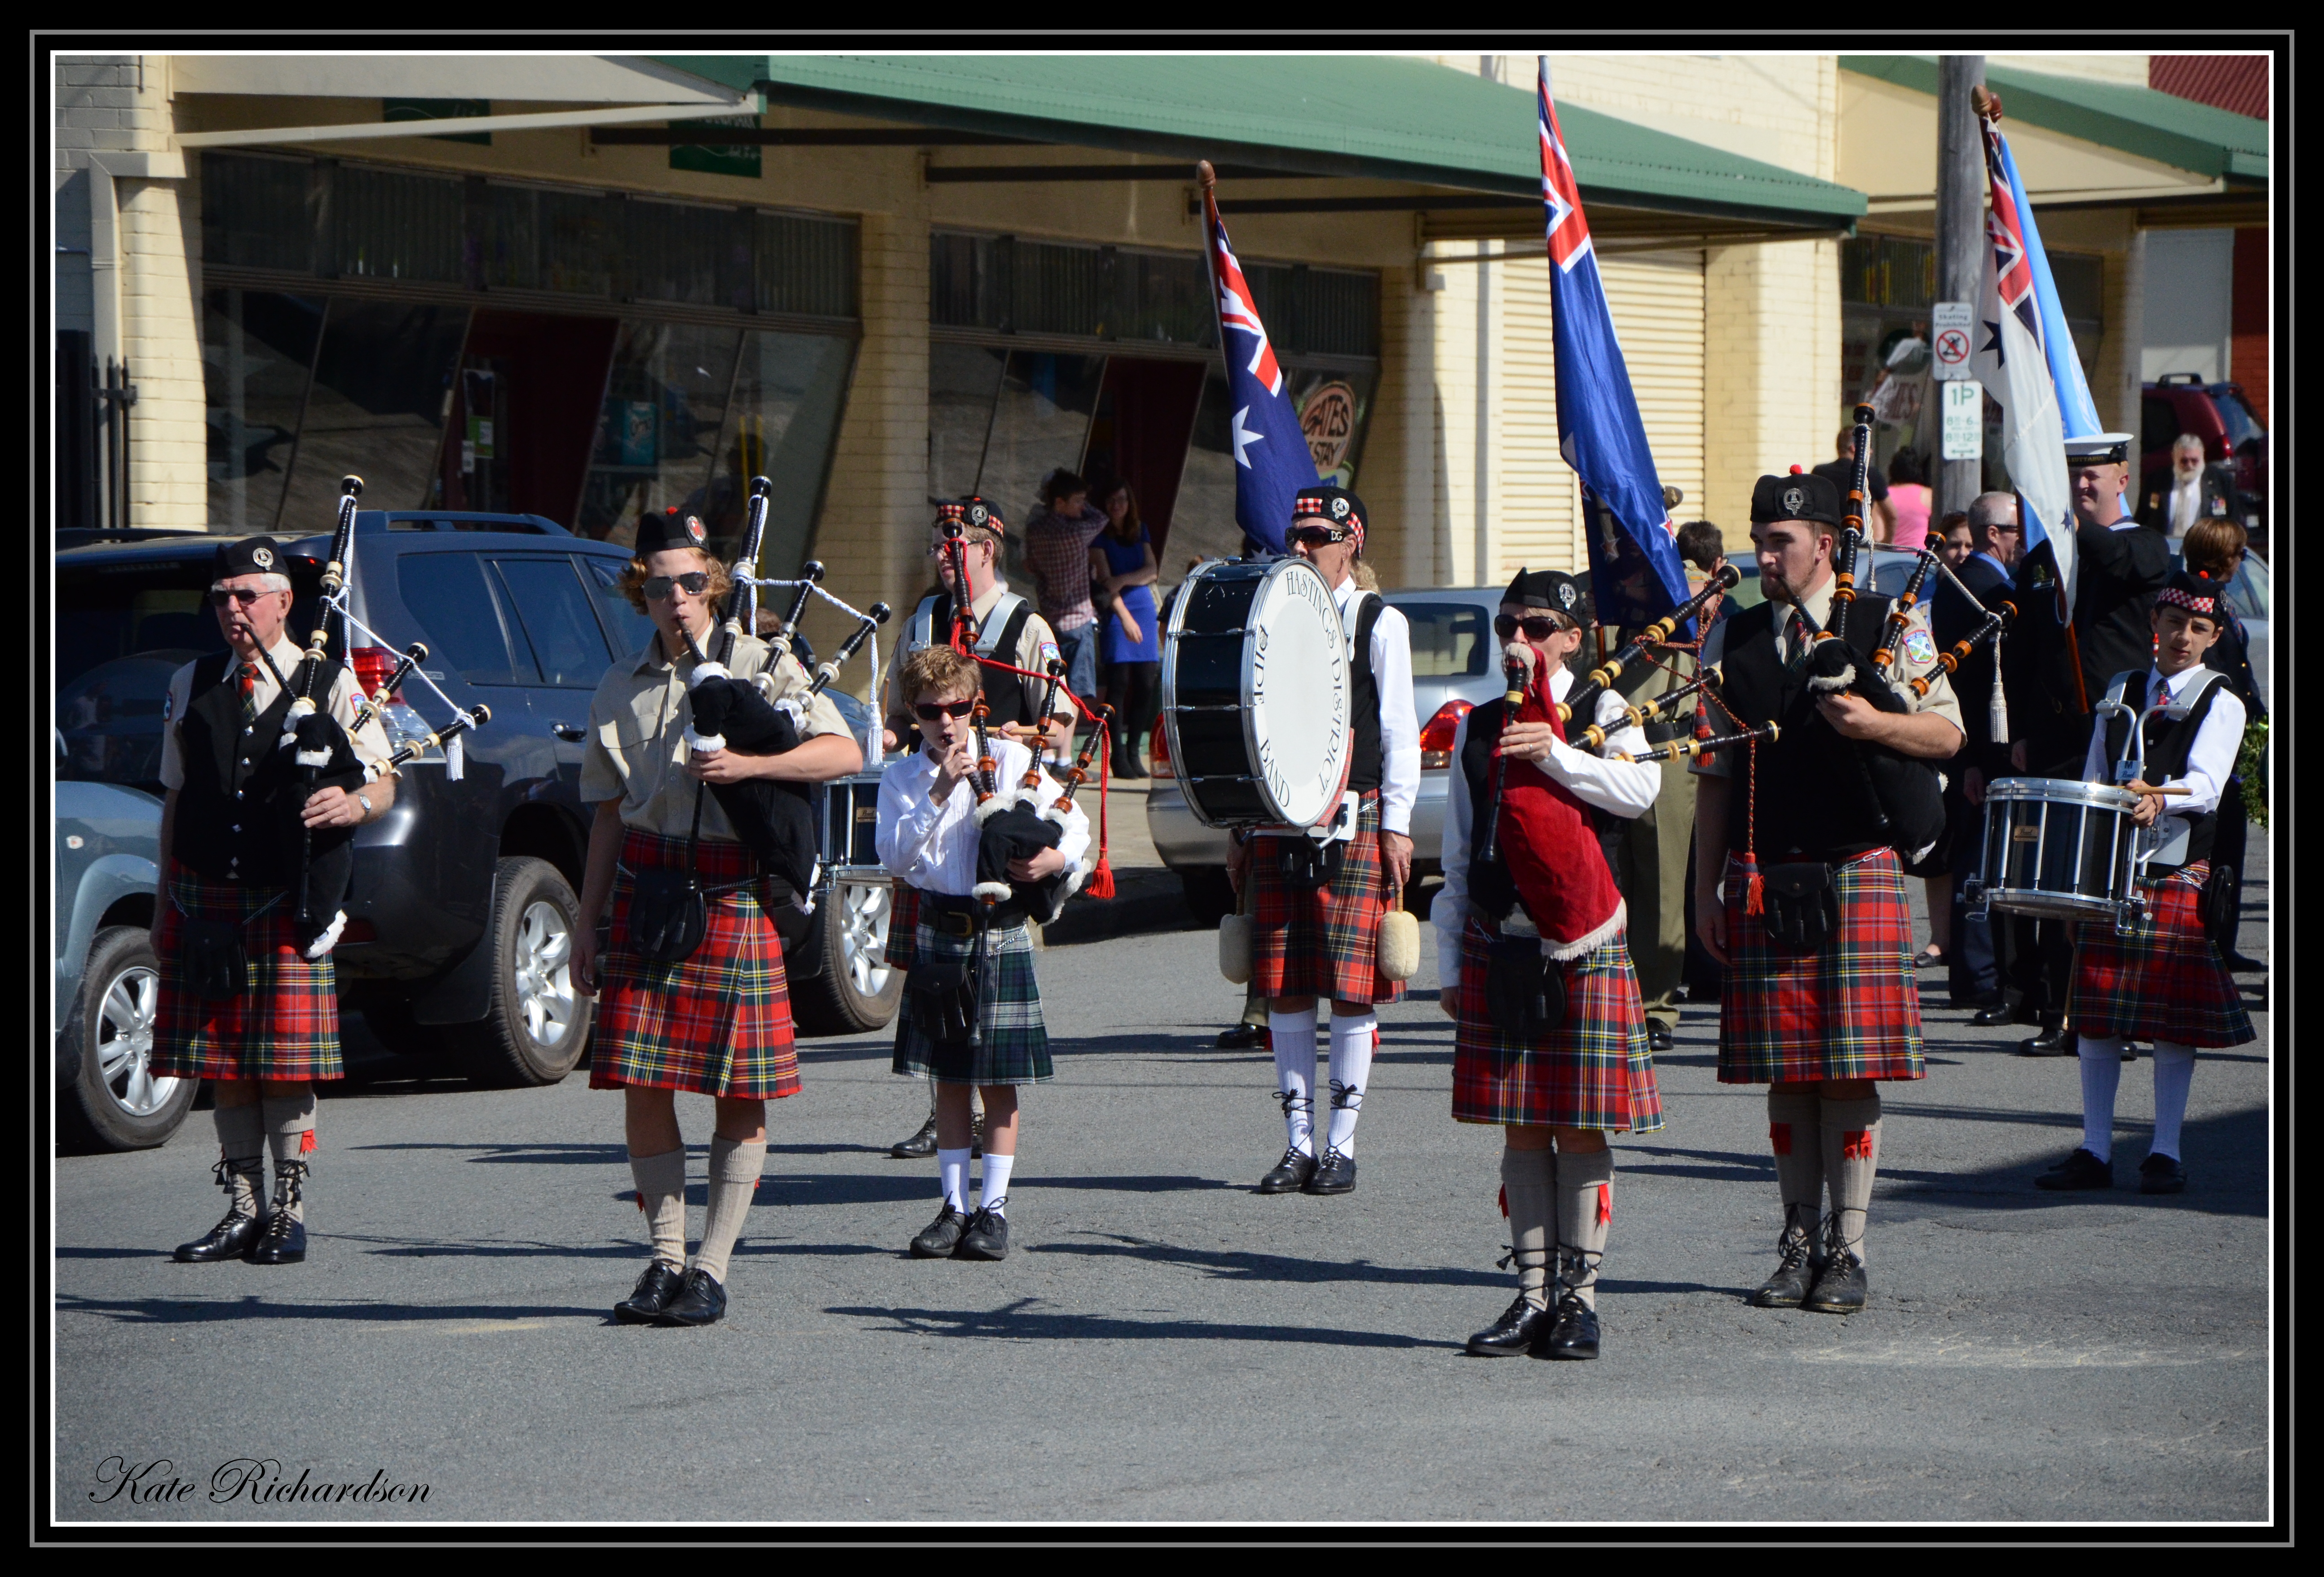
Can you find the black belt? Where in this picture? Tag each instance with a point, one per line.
(960, 916)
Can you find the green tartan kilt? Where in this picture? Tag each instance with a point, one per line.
(1016, 1049)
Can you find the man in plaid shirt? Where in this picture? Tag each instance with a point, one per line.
(1057, 550)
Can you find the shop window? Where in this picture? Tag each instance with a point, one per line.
(255, 213)
(781, 423)
(1040, 420)
(390, 225)
(1203, 518)
(1060, 290)
(1168, 297)
(680, 252)
(536, 239)
(552, 611)
(963, 381)
(382, 390)
(257, 347)
(664, 399)
(969, 281)
(806, 265)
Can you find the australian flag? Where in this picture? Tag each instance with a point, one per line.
(1272, 462)
(1599, 430)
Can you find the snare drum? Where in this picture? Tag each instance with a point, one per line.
(2061, 849)
(1256, 694)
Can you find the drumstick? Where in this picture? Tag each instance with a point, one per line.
(2134, 786)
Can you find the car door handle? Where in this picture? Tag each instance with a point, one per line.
(568, 732)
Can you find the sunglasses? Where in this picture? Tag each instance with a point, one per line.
(694, 583)
(1537, 629)
(1314, 536)
(929, 711)
(219, 599)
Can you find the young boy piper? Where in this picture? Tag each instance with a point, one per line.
(928, 835)
(1524, 887)
(2165, 981)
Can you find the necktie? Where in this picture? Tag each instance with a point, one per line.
(246, 681)
(1795, 637)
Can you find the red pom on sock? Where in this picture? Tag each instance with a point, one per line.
(306, 1142)
(1856, 1145)
(1505, 1199)
(1605, 1203)
(1779, 1137)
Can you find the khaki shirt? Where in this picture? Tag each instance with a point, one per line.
(1915, 654)
(637, 749)
(370, 742)
(1037, 643)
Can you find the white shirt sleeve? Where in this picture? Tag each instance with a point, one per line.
(910, 820)
(1450, 911)
(1626, 789)
(2211, 759)
(1399, 728)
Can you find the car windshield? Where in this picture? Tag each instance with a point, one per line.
(1449, 640)
(2243, 426)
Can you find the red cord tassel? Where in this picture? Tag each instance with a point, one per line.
(1754, 887)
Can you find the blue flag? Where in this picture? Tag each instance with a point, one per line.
(1272, 462)
(2077, 412)
(1599, 430)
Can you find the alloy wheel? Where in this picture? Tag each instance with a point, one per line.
(544, 972)
(124, 1043)
(864, 926)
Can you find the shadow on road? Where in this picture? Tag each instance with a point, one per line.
(1279, 1267)
(161, 1311)
(1016, 1320)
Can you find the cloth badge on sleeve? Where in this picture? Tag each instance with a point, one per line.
(1920, 646)
(1048, 652)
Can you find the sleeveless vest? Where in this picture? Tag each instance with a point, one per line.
(1367, 765)
(2170, 738)
(1010, 699)
(231, 823)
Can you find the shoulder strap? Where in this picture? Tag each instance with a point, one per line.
(1007, 618)
(2120, 686)
(2192, 697)
(1360, 640)
(920, 633)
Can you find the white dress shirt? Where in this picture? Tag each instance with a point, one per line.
(1627, 789)
(930, 843)
(1399, 728)
(2186, 504)
(2211, 760)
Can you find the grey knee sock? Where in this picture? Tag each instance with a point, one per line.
(1585, 1208)
(1527, 1178)
(289, 1122)
(1796, 1133)
(734, 1168)
(1851, 1156)
(242, 1154)
(661, 1195)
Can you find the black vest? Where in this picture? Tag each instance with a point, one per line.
(1367, 764)
(233, 818)
(1008, 697)
(2168, 742)
(1812, 798)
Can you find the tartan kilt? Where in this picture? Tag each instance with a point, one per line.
(1327, 943)
(903, 922)
(2163, 982)
(1594, 1070)
(285, 1025)
(718, 1023)
(1016, 1049)
(1851, 1009)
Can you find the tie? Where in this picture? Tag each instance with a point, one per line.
(246, 681)
(1795, 637)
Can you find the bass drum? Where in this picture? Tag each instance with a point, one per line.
(1255, 694)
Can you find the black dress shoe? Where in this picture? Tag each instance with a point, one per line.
(1241, 1038)
(657, 1286)
(2239, 963)
(700, 1302)
(1574, 1333)
(283, 1242)
(1787, 1288)
(1995, 1012)
(1290, 1174)
(2079, 1170)
(2055, 1040)
(1335, 1173)
(1658, 1036)
(919, 1147)
(940, 1237)
(1522, 1323)
(1839, 1286)
(987, 1237)
(231, 1238)
(2160, 1173)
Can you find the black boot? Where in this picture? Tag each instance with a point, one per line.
(1840, 1286)
(658, 1287)
(284, 1241)
(1574, 1333)
(701, 1301)
(921, 1145)
(1795, 1272)
(1521, 1324)
(2055, 1039)
(233, 1237)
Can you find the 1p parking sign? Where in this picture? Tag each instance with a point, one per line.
(1964, 419)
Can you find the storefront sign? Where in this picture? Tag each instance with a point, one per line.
(1952, 328)
(1328, 418)
(716, 158)
(1964, 429)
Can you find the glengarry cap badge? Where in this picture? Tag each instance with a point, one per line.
(1794, 499)
(693, 529)
(1565, 594)
(263, 556)
(1339, 509)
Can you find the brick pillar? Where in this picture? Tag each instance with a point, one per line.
(1399, 478)
(1771, 370)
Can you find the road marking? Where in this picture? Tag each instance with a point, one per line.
(486, 1327)
(2035, 1355)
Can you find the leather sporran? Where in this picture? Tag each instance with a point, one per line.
(942, 996)
(1307, 864)
(1802, 905)
(668, 915)
(211, 953)
(1524, 990)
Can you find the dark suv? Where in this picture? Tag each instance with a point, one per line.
(2232, 440)
(463, 906)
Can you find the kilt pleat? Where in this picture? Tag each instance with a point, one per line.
(717, 1023)
(285, 1024)
(1595, 1070)
(1850, 1009)
(903, 922)
(1324, 943)
(1016, 1049)
(2163, 982)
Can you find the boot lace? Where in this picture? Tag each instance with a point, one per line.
(287, 1177)
(1347, 1097)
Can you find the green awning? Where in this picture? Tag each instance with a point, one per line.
(2140, 121)
(1374, 116)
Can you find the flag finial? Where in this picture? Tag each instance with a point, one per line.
(1203, 173)
(1984, 102)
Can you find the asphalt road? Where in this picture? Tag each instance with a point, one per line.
(1164, 1345)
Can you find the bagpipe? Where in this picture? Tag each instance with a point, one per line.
(318, 751)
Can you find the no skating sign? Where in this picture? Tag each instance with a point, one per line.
(1952, 332)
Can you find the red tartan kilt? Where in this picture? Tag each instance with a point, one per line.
(286, 1023)
(1324, 943)
(2163, 982)
(903, 924)
(1594, 1070)
(1850, 1009)
(717, 1023)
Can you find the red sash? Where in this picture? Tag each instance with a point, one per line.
(1550, 844)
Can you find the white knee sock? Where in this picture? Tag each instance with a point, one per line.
(1293, 1038)
(2174, 1072)
(996, 1182)
(1351, 1071)
(2101, 1057)
(951, 1176)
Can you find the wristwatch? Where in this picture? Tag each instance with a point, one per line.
(364, 801)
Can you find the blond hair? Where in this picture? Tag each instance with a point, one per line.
(632, 584)
(940, 670)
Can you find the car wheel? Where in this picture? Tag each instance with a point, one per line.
(854, 990)
(115, 1103)
(535, 1024)
(1208, 892)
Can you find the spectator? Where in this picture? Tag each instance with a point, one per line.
(2196, 491)
(1974, 968)
(1705, 552)
(1955, 540)
(1910, 502)
(1996, 540)
(2215, 547)
(1121, 565)
(1880, 520)
(1057, 551)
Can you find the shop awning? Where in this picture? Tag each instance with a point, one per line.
(1372, 117)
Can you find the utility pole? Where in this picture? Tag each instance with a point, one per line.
(1960, 230)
